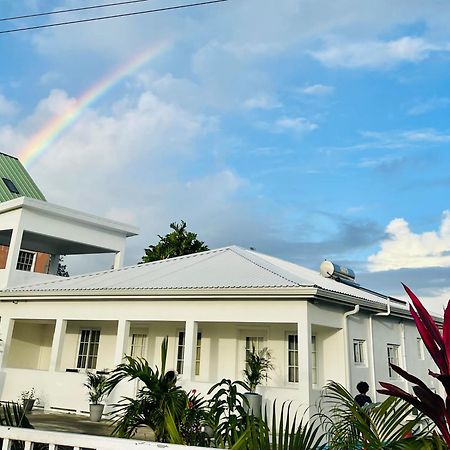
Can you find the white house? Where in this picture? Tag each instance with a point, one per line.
(213, 306)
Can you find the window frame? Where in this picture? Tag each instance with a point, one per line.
(361, 353)
(293, 368)
(142, 346)
(314, 364)
(91, 345)
(179, 362)
(33, 262)
(393, 358)
(420, 349)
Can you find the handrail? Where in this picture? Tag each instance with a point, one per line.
(78, 441)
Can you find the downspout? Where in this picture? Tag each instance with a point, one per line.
(355, 310)
(372, 354)
(403, 351)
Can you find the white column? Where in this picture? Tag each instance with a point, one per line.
(190, 349)
(6, 330)
(53, 267)
(57, 344)
(13, 252)
(304, 360)
(119, 256)
(123, 332)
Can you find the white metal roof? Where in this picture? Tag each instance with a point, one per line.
(228, 267)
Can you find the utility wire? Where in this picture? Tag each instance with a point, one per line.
(63, 11)
(114, 16)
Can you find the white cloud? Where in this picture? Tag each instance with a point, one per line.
(297, 124)
(376, 54)
(402, 248)
(261, 101)
(7, 107)
(318, 89)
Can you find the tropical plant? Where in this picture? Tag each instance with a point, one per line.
(286, 433)
(192, 427)
(227, 417)
(389, 425)
(179, 242)
(257, 367)
(438, 345)
(158, 396)
(96, 384)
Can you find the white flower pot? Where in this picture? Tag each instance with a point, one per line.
(254, 403)
(95, 412)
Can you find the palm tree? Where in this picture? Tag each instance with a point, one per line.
(158, 396)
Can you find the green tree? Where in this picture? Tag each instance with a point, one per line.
(178, 242)
(62, 268)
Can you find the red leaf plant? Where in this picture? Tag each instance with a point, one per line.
(425, 400)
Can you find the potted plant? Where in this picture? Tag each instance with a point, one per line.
(28, 399)
(257, 366)
(97, 387)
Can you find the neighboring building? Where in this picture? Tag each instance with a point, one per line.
(213, 306)
(15, 183)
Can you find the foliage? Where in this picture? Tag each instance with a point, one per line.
(376, 426)
(178, 242)
(425, 400)
(227, 416)
(192, 427)
(61, 271)
(158, 396)
(258, 364)
(30, 394)
(97, 387)
(13, 415)
(287, 433)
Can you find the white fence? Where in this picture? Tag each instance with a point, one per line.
(78, 441)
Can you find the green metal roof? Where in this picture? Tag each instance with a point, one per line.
(12, 169)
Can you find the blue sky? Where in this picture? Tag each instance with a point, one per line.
(306, 129)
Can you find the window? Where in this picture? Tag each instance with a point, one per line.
(392, 352)
(26, 261)
(359, 352)
(420, 351)
(313, 360)
(11, 186)
(253, 342)
(198, 352)
(292, 358)
(180, 352)
(138, 345)
(88, 350)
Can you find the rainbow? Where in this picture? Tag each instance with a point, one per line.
(41, 140)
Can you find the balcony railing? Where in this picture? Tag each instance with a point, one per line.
(77, 441)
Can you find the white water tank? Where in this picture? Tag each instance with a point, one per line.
(332, 270)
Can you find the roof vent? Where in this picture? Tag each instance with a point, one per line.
(339, 273)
